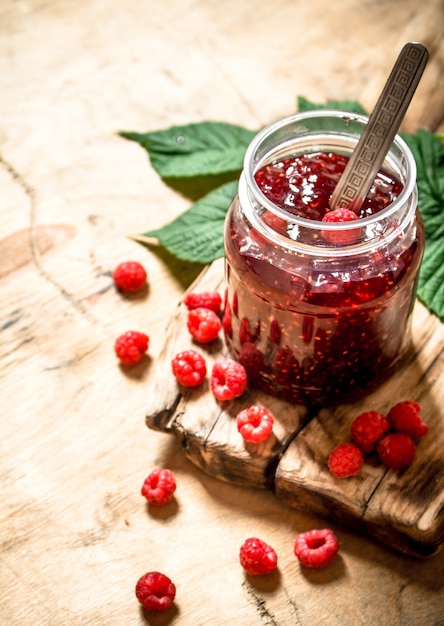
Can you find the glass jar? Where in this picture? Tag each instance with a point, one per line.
(320, 313)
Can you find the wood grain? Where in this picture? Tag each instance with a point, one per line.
(75, 533)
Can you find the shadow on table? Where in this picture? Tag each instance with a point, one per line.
(427, 573)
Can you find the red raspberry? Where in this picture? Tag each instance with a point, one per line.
(256, 557)
(203, 324)
(255, 424)
(159, 487)
(368, 428)
(345, 460)
(343, 237)
(189, 368)
(131, 346)
(228, 379)
(130, 276)
(316, 548)
(155, 591)
(404, 418)
(205, 300)
(396, 450)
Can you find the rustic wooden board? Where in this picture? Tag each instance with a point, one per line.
(74, 448)
(402, 509)
(205, 426)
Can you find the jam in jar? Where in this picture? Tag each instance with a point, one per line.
(319, 311)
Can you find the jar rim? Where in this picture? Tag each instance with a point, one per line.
(401, 145)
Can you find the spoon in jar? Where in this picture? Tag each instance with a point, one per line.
(383, 124)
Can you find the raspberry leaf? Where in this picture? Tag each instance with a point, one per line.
(338, 105)
(201, 149)
(213, 152)
(428, 151)
(197, 234)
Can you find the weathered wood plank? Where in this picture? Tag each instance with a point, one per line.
(207, 428)
(402, 509)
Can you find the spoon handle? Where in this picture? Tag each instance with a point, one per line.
(382, 126)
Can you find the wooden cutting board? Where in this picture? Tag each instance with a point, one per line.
(403, 509)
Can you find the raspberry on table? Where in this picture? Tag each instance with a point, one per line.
(256, 557)
(203, 324)
(159, 487)
(404, 418)
(131, 346)
(396, 450)
(205, 300)
(130, 276)
(255, 424)
(343, 237)
(155, 591)
(189, 368)
(228, 379)
(367, 428)
(345, 460)
(316, 548)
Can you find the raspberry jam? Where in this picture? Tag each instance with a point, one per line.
(303, 184)
(319, 312)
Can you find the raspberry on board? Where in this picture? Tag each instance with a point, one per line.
(345, 460)
(203, 324)
(228, 379)
(189, 368)
(131, 346)
(316, 548)
(155, 591)
(404, 418)
(396, 450)
(255, 423)
(205, 300)
(159, 487)
(343, 237)
(257, 557)
(130, 276)
(367, 428)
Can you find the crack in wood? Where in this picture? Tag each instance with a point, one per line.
(272, 467)
(30, 193)
(260, 604)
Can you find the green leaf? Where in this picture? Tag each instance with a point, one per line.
(213, 152)
(338, 105)
(201, 149)
(198, 234)
(428, 151)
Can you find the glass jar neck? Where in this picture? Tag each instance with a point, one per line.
(328, 132)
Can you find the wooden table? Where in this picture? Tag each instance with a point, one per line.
(75, 532)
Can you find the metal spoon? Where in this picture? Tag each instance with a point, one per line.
(382, 126)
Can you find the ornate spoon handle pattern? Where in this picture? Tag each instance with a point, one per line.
(381, 129)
